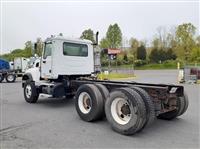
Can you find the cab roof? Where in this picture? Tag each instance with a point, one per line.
(67, 39)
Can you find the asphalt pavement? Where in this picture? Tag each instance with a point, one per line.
(54, 123)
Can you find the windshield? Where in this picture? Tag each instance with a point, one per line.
(32, 62)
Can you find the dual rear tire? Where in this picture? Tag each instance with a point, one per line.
(125, 111)
(89, 102)
(128, 110)
(182, 105)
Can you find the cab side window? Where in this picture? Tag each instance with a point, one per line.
(74, 49)
(47, 50)
(37, 64)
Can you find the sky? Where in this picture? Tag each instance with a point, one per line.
(23, 21)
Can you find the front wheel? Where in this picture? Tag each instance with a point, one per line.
(1, 78)
(30, 92)
(10, 78)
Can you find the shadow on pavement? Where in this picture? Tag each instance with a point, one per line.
(56, 102)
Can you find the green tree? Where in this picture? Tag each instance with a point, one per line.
(134, 44)
(16, 51)
(171, 38)
(195, 54)
(39, 48)
(161, 55)
(156, 43)
(154, 55)
(162, 37)
(104, 43)
(170, 55)
(198, 41)
(141, 52)
(185, 39)
(88, 34)
(120, 59)
(114, 36)
(125, 59)
(27, 52)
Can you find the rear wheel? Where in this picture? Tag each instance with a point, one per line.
(104, 91)
(10, 78)
(105, 94)
(185, 104)
(175, 113)
(125, 111)
(30, 92)
(150, 109)
(89, 102)
(1, 78)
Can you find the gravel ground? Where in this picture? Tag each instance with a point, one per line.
(54, 123)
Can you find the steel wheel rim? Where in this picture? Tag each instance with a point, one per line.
(10, 77)
(28, 91)
(121, 111)
(84, 102)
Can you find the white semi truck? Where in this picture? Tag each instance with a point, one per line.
(20, 65)
(67, 68)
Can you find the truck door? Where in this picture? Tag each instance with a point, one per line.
(46, 67)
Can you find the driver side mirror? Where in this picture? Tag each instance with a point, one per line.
(35, 46)
(37, 64)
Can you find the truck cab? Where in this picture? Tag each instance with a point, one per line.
(64, 57)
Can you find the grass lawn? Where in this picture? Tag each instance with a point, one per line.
(112, 76)
(152, 66)
(171, 65)
(158, 66)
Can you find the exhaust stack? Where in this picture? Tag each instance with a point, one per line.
(96, 42)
